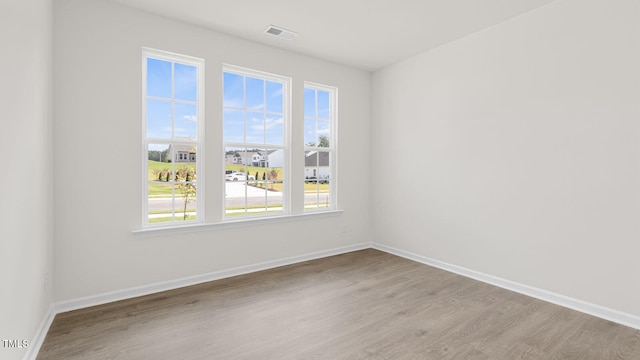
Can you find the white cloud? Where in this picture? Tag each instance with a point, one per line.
(267, 125)
(277, 93)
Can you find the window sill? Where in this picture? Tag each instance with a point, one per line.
(165, 230)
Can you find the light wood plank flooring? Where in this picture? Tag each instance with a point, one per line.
(362, 305)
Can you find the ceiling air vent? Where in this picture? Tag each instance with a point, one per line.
(280, 32)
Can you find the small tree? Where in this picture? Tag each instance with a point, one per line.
(273, 175)
(324, 141)
(186, 186)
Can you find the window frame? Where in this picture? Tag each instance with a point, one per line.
(333, 145)
(292, 170)
(286, 146)
(199, 141)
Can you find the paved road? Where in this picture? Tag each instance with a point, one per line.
(235, 192)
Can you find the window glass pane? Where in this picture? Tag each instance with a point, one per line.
(160, 183)
(184, 157)
(235, 198)
(274, 97)
(159, 119)
(323, 133)
(160, 186)
(158, 158)
(186, 121)
(310, 135)
(317, 180)
(185, 207)
(233, 125)
(185, 187)
(323, 104)
(274, 161)
(235, 160)
(233, 90)
(256, 186)
(171, 117)
(310, 164)
(158, 78)
(253, 169)
(255, 94)
(309, 103)
(160, 202)
(274, 180)
(185, 82)
(255, 127)
(274, 129)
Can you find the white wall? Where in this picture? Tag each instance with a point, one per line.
(25, 142)
(515, 152)
(97, 107)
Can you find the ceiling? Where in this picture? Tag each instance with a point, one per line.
(366, 34)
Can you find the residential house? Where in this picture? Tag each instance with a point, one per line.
(316, 165)
(182, 153)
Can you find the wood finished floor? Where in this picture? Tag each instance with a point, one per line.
(362, 305)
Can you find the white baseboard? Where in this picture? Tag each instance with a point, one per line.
(124, 294)
(548, 296)
(41, 333)
(575, 304)
(197, 279)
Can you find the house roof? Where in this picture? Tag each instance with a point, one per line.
(315, 158)
(180, 147)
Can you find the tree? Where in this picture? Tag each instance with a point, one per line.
(186, 186)
(324, 141)
(159, 156)
(273, 175)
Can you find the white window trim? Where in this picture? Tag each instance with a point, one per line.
(250, 221)
(199, 142)
(333, 146)
(224, 222)
(286, 173)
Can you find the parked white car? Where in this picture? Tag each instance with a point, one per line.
(237, 176)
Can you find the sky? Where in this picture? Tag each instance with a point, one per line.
(253, 107)
(171, 112)
(253, 110)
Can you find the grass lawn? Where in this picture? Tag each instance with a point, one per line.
(164, 190)
(156, 165)
(156, 189)
(308, 188)
(252, 170)
(179, 217)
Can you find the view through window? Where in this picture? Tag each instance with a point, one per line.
(255, 142)
(255, 146)
(319, 154)
(172, 137)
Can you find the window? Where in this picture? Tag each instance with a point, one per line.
(172, 138)
(255, 172)
(319, 147)
(255, 128)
